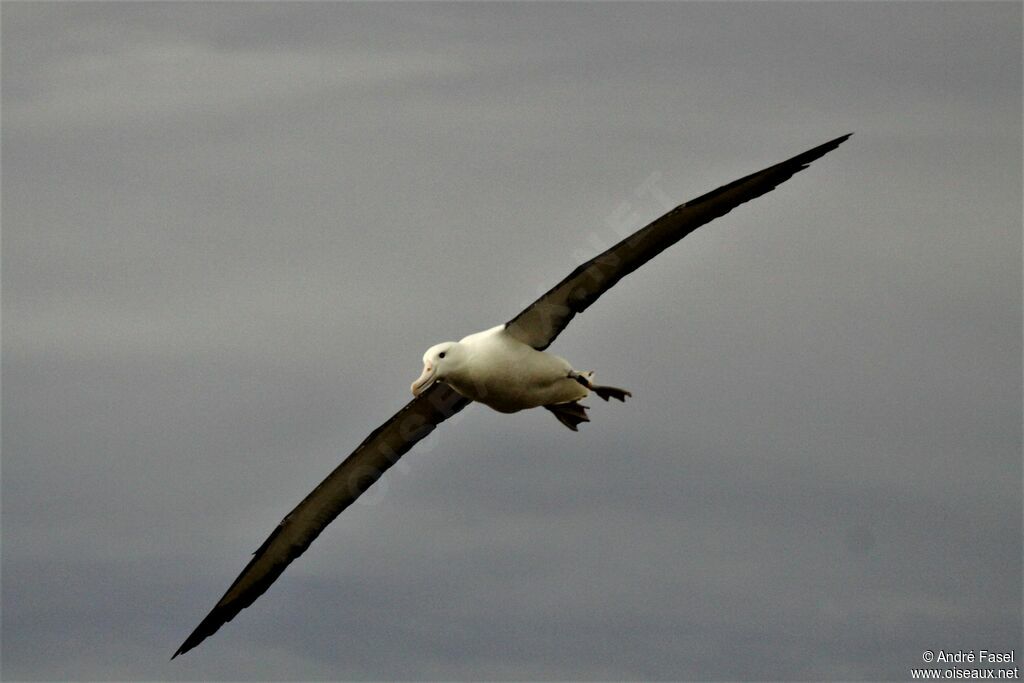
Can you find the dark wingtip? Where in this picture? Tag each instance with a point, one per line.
(185, 647)
(819, 151)
(189, 643)
(767, 179)
(201, 633)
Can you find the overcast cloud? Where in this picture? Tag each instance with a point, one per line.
(231, 230)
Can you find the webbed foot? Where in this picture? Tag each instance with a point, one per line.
(604, 392)
(570, 414)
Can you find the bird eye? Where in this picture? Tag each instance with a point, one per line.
(441, 355)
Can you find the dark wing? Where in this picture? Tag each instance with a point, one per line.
(545, 318)
(379, 451)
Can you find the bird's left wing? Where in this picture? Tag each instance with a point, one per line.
(540, 322)
(379, 451)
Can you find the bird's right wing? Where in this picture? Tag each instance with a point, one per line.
(540, 322)
(379, 451)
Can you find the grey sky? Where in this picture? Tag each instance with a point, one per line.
(231, 230)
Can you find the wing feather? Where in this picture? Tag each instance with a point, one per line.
(540, 322)
(379, 451)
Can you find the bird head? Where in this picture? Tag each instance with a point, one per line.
(437, 364)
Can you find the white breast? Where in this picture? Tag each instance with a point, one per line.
(508, 375)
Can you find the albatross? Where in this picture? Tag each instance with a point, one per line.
(505, 367)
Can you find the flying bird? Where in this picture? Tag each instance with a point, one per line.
(505, 367)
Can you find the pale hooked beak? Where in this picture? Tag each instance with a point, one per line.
(424, 381)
